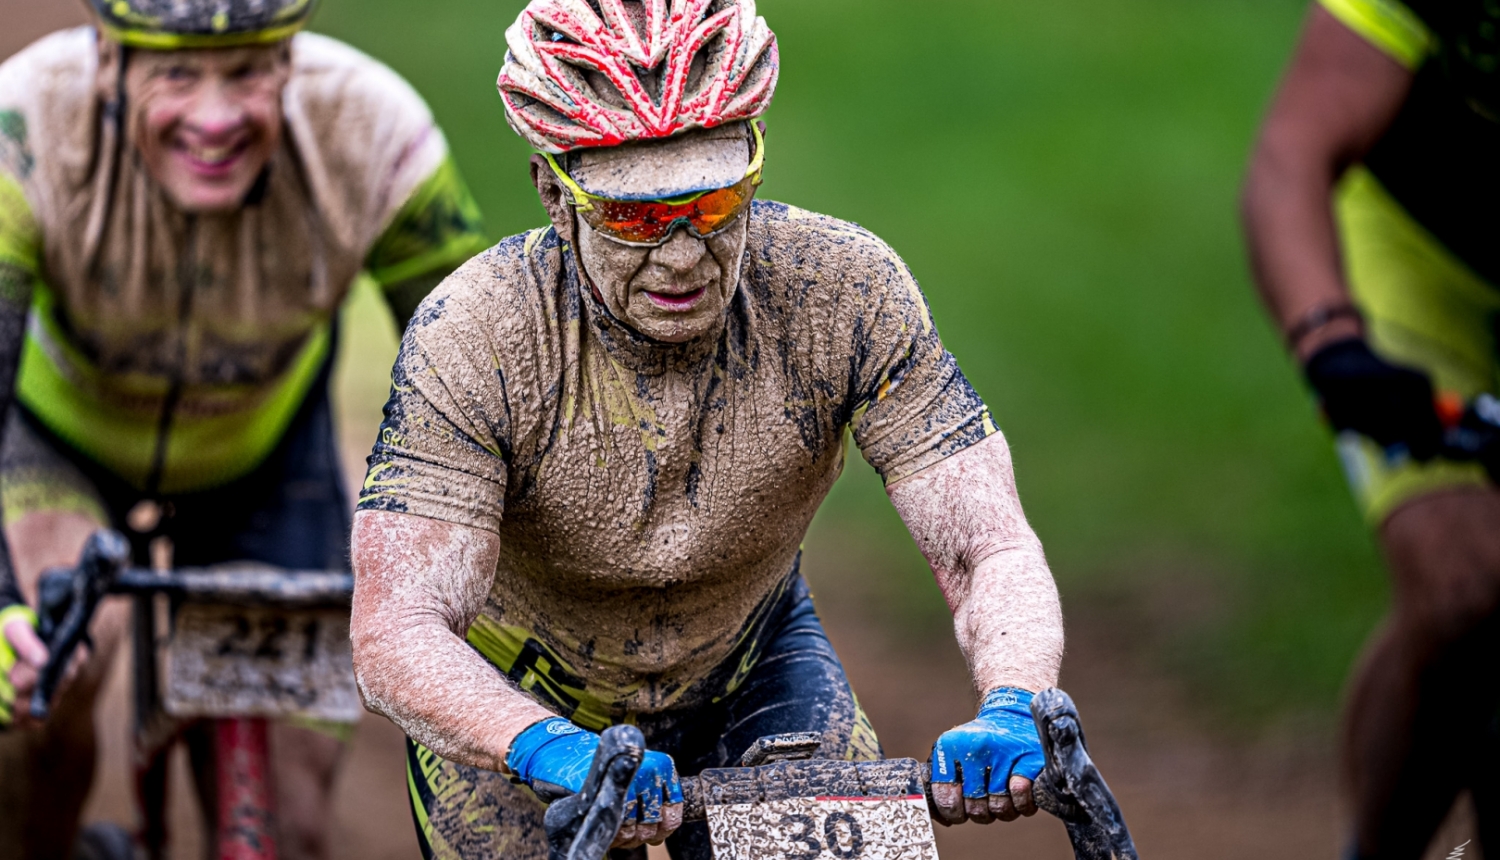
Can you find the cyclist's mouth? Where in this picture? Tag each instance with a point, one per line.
(676, 301)
(212, 161)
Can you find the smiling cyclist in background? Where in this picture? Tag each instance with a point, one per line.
(1373, 211)
(188, 190)
(608, 436)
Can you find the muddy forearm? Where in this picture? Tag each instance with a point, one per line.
(966, 517)
(419, 584)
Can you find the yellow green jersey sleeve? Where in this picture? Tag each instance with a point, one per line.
(437, 229)
(1388, 25)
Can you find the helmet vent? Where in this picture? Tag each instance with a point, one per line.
(627, 70)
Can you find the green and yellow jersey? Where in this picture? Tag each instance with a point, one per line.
(174, 349)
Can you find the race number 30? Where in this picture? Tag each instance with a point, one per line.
(824, 828)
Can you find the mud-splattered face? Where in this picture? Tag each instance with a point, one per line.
(677, 291)
(673, 293)
(206, 121)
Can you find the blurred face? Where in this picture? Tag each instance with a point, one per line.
(206, 121)
(677, 291)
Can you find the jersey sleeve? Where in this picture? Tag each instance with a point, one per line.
(1389, 25)
(436, 231)
(912, 407)
(445, 443)
(20, 249)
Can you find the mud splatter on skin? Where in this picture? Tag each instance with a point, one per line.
(626, 276)
(966, 517)
(419, 584)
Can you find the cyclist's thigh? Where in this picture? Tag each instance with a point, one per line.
(50, 509)
(797, 685)
(464, 813)
(1424, 309)
(290, 512)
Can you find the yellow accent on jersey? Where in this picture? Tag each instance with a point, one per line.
(61, 387)
(1424, 309)
(20, 237)
(1386, 24)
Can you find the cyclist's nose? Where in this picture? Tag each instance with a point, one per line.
(680, 253)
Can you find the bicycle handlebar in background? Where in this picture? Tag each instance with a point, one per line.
(69, 597)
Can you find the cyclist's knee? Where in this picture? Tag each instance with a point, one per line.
(42, 539)
(1444, 551)
(306, 762)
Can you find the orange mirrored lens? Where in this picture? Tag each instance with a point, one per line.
(652, 221)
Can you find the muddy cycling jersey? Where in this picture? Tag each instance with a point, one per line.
(650, 498)
(1439, 157)
(175, 349)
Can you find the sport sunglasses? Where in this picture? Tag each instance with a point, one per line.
(650, 223)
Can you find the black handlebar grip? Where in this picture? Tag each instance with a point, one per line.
(582, 826)
(1070, 786)
(104, 555)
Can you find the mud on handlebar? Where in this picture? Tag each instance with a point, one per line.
(68, 598)
(582, 826)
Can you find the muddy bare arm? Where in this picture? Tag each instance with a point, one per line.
(419, 584)
(966, 517)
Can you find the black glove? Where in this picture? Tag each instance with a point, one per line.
(1363, 392)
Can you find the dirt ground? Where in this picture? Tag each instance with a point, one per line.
(1187, 791)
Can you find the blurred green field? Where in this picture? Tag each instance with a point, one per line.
(1062, 179)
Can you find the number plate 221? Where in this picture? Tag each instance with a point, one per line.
(869, 828)
(226, 661)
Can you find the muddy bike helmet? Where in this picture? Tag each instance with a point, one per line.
(590, 73)
(171, 24)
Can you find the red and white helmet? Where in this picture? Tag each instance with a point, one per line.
(588, 73)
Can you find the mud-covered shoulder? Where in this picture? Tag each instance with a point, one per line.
(809, 260)
(365, 138)
(49, 112)
(500, 290)
(488, 332)
(464, 391)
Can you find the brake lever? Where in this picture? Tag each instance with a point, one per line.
(1474, 433)
(1070, 786)
(582, 826)
(63, 622)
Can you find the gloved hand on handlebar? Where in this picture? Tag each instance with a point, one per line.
(983, 769)
(17, 634)
(553, 758)
(1363, 392)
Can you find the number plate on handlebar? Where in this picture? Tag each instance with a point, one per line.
(823, 828)
(260, 661)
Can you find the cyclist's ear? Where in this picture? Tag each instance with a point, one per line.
(554, 197)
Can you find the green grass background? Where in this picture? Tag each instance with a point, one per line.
(1062, 179)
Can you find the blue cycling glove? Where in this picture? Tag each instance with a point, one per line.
(999, 743)
(555, 754)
